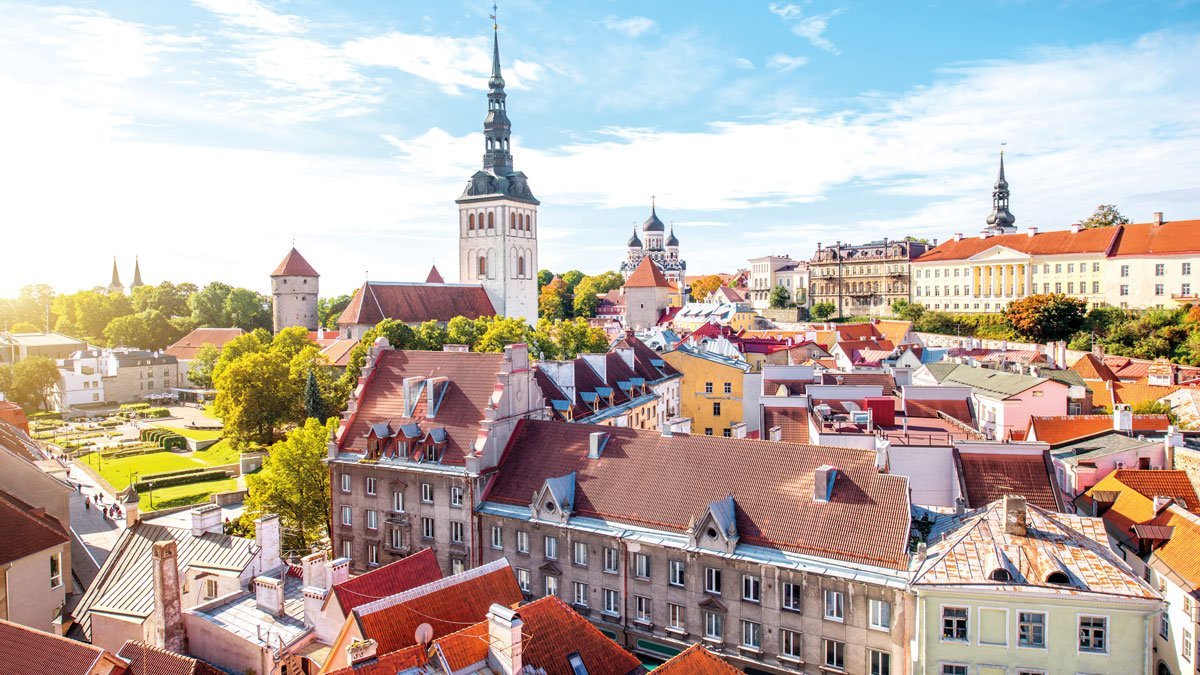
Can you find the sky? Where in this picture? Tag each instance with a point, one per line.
(205, 137)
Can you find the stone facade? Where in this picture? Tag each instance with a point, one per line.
(864, 279)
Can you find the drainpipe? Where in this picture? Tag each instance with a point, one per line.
(476, 553)
(624, 591)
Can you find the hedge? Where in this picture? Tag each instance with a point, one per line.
(135, 407)
(172, 474)
(166, 439)
(198, 477)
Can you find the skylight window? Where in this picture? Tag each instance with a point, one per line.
(576, 661)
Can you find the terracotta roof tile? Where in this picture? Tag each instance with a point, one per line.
(647, 275)
(294, 265)
(187, 346)
(1098, 240)
(24, 651)
(1171, 238)
(1063, 429)
(147, 660)
(465, 647)
(446, 605)
(988, 477)
(337, 352)
(27, 530)
(884, 380)
(1090, 367)
(417, 569)
(434, 276)
(793, 422)
(1182, 552)
(415, 303)
(1136, 490)
(647, 479)
(894, 331)
(397, 661)
(696, 660)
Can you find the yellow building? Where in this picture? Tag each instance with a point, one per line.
(714, 391)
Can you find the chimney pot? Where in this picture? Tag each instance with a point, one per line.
(1031, 231)
(506, 643)
(268, 595)
(206, 519)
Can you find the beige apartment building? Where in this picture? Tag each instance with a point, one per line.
(864, 279)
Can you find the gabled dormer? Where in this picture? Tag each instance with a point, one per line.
(716, 529)
(555, 500)
(379, 437)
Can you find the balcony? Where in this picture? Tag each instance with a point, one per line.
(1185, 298)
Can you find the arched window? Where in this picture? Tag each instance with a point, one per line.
(1000, 574)
(512, 221)
(526, 222)
(520, 266)
(1058, 578)
(482, 266)
(491, 220)
(471, 221)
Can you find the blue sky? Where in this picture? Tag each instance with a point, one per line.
(204, 136)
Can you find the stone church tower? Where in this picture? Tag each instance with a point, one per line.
(498, 216)
(294, 293)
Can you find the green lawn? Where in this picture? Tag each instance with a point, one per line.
(119, 472)
(194, 434)
(218, 454)
(181, 495)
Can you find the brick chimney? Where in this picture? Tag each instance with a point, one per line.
(316, 585)
(168, 606)
(1015, 515)
(268, 595)
(504, 633)
(337, 571)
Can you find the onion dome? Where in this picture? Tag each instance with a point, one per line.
(653, 224)
(671, 240)
(634, 242)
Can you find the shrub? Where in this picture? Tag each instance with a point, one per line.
(188, 479)
(171, 474)
(134, 407)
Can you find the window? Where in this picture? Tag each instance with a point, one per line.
(954, 623)
(708, 431)
(372, 554)
(1031, 629)
(1070, 268)
(347, 548)
(708, 387)
(1058, 287)
(611, 560)
(347, 515)
(55, 570)
(791, 644)
(791, 597)
(641, 565)
(954, 669)
(728, 387)
(482, 266)
(427, 493)
(1057, 268)
(581, 554)
(716, 408)
(641, 606)
(727, 432)
(712, 580)
(397, 501)
(524, 580)
(551, 585)
(1070, 286)
(456, 496)
(881, 662)
(581, 594)
(612, 602)
(427, 528)
(345, 482)
(211, 589)
(397, 539)
(1093, 634)
(1185, 289)
(1164, 626)
(714, 626)
(1160, 270)
(835, 609)
(1095, 287)
(1124, 289)
(751, 635)
(880, 614)
(497, 536)
(1095, 267)
(677, 570)
(676, 617)
(372, 519)
(1185, 645)
(1158, 289)
(1187, 268)
(370, 485)
(835, 654)
(551, 544)
(750, 590)
(522, 541)
(577, 667)
(456, 532)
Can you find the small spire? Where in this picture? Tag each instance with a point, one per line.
(116, 277)
(653, 203)
(496, 77)
(137, 273)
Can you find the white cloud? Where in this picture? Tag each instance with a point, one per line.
(632, 26)
(784, 63)
(786, 12)
(743, 63)
(254, 15)
(114, 50)
(812, 28)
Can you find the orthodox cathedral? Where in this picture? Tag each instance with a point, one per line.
(665, 253)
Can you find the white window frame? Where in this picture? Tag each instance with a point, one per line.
(580, 593)
(714, 620)
(397, 538)
(791, 644)
(456, 496)
(825, 662)
(677, 573)
(551, 585)
(1020, 623)
(551, 547)
(524, 580)
(835, 605)
(751, 635)
(346, 483)
(497, 537)
(612, 602)
(879, 614)
(1079, 634)
(676, 618)
(641, 566)
(522, 541)
(456, 532)
(712, 580)
(943, 666)
(371, 485)
(426, 493)
(56, 580)
(347, 516)
(966, 639)
(579, 554)
(428, 528)
(642, 608)
(372, 519)
(372, 554)
(212, 589)
(751, 588)
(612, 560)
(398, 501)
(877, 668)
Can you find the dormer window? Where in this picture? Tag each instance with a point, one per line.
(431, 453)
(1059, 578)
(711, 533)
(1000, 574)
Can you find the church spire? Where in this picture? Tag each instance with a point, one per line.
(1001, 220)
(137, 273)
(115, 286)
(496, 127)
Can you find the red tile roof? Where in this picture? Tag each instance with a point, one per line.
(24, 651)
(884, 380)
(472, 380)
(337, 352)
(294, 265)
(417, 569)
(465, 647)
(1063, 429)
(1171, 238)
(13, 414)
(27, 530)
(793, 422)
(1182, 552)
(1136, 490)
(647, 479)
(187, 346)
(989, 476)
(696, 660)
(446, 605)
(415, 303)
(1091, 368)
(1099, 240)
(434, 276)
(391, 663)
(147, 660)
(647, 275)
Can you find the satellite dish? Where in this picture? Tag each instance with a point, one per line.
(424, 634)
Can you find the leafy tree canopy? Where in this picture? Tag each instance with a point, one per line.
(1046, 316)
(294, 484)
(780, 298)
(1105, 215)
(704, 286)
(823, 310)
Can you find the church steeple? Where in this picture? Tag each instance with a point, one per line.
(1001, 220)
(496, 127)
(115, 285)
(137, 274)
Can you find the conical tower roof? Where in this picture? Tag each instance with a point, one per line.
(647, 275)
(294, 265)
(137, 273)
(434, 277)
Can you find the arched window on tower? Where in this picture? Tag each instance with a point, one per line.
(482, 266)
(471, 222)
(512, 222)
(491, 220)
(520, 267)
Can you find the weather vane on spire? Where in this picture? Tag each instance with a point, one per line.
(495, 25)
(1002, 144)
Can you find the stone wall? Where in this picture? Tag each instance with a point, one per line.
(1188, 460)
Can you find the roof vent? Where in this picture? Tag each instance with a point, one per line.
(1158, 219)
(958, 236)
(823, 480)
(1075, 228)
(1015, 515)
(596, 442)
(1030, 232)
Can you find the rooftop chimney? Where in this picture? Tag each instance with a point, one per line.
(738, 429)
(455, 348)
(823, 480)
(958, 236)
(316, 585)
(361, 650)
(596, 442)
(1015, 516)
(775, 434)
(168, 607)
(1031, 231)
(1158, 219)
(266, 535)
(504, 634)
(1122, 418)
(268, 595)
(1075, 228)
(337, 571)
(207, 520)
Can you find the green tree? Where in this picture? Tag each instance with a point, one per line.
(314, 401)
(31, 381)
(291, 341)
(568, 338)
(329, 309)
(1105, 215)
(1046, 316)
(586, 298)
(248, 310)
(463, 331)
(780, 298)
(25, 327)
(126, 331)
(200, 370)
(544, 277)
(502, 331)
(247, 343)
(553, 300)
(823, 310)
(168, 298)
(1153, 408)
(208, 305)
(572, 278)
(255, 397)
(704, 286)
(87, 313)
(607, 281)
(294, 484)
(431, 336)
(909, 311)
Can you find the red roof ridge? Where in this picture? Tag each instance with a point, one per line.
(434, 277)
(421, 566)
(647, 275)
(294, 265)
